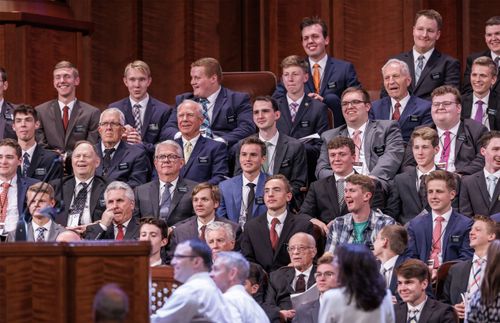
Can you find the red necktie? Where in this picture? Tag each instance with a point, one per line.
(65, 117)
(4, 201)
(273, 234)
(445, 155)
(120, 234)
(357, 142)
(202, 233)
(396, 114)
(436, 240)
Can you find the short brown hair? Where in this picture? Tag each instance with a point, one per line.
(366, 183)
(42, 188)
(255, 141)
(431, 14)
(485, 139)
(309, 21)
(138, 65)
(339, 142)
(364, 94)
(66, 64)
(267, 98)
(442, 175)
(397, 236)
(493, 21)
(211, 65)
(295, 60)
(282, 178)
(25, 109)
(491, 226)
(486, 62)
(215, 193)
(414, 268)
(160, 223)
(12, 143)
(327, 258)
(445, 89)
(426, 133)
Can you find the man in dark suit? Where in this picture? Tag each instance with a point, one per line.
(458, 139)
(242, 196)
(6, 109)
(329, 76)
(205, 160)
(301, 117)
(413, 279)
(120, 161)
(408, 110)
(83, 192)
(284, 155)
(466, 276)
(428, 67)
(169, 196)
(492, 29)
(265, 237)
(480, 192)
(37, 162)
(117, 222)
(296, 278)
(483, 104)
(442, 234)
(13, 187)
(227, 115)
(66, 120)
(379, 145)
(145, 116)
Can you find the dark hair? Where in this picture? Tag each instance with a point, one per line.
(442, 175)
(25, 109)
(414, 268)
(339, 142)
(282, 178)
(110, 304)
(493, 21)
(267, 98)
(397, 236)
(309, 21)
(364, 94)
(366, 183)
(431, 14)
(366, 286)
(445, 89)
(255, 141)
(490, 287)
(202, 250)
(160, 223)
(13, 144)
(484, 141)
(257, 275)
(3, 74)
(215, 193)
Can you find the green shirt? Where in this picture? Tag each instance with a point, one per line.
(358, 231)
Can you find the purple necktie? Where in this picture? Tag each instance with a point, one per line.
(479, 113)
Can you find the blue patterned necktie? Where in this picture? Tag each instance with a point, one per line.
(166, 198)
(40, 236)
(206, 121)
(26, 164)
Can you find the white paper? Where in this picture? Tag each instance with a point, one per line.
(308, 296)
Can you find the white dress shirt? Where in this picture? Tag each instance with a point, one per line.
(243, 307)
(427, 55)
(244, 193)
(70, 106)
(306, 274)
(12, 215)
(403, 104)
(45, 234)
(279, 226)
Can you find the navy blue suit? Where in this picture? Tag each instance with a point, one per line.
(129, 164)
(416, 113)
(338, 76)
(495, 217)
(455, 238)
(231, 119)
(6, 121)
(155, 117)
(230, 202)
(22, 187)
(41, 161)
(207, 163)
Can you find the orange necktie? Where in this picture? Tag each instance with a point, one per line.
(316, 77)
(4, 201)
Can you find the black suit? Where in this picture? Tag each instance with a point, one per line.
(456, 282)
(41, 161)
(433, 312)
(256, 242)
(307, 313)
(6, 121)
(97, 204)
(474, 196)
(147, 201)
(95, 232)
(493, 110)
(467, 87)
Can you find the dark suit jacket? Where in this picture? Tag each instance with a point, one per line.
(147, 200)
(22, 187)
(129, 164)
(83, 123)
(256, 243)
(468, 158)
(474, 196)
(54, 231)
(338, 76)
(393, 285)
(440, 70)
(495, 217)
(493, 109)
(433, 312)
(230, 198)
(207, 163)
(95, 232)
(383, 145)
(307, 313)
(467, 87)
(456, 282)
(455, 238)
(231, 118)
(97, 204)
(155, 117)
(416, 113)
(41, 161)
(6, 121)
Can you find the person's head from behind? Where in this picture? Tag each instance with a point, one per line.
(191, 257)
(257, 280)
(110, 305)
(327, 273)
(229, 269)
(392, 240)
(413, 278)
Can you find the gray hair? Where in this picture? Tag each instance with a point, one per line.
(117, 185)
(114, 110)
(172, 143)
(233, 259)
(216, 225)
(404, 67)
(189, 101)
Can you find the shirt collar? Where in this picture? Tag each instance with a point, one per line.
(115, 146)
(124, 224)
(321, 63)
(12, 182)
(70, 105)
(280, 217)
(362, 129)
(453, 130)
(273, 140)
(202, 224)
(88, 181)
(389, 264)
(485, 99)
(337, 177)
(476, 257)
(46, 225)
(143, 102)
(427, 55)
(193, 141)
(246, 181)
(446, 215)
(306, 272)
(419, 307)
(486, 173)
(299, 101)
(174, 183)
(420, 173)
(30, 151)
(212, 97)
(403, 101)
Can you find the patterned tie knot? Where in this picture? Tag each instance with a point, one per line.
(421, 59)
(84, 185)
(204, 102)
(275, 222)
(356, 133)
(26, 156)
(439, 219)
(137, 106)
(109, 151)
(479, 262)
(492, 178)
(41, 230)
(167, 185)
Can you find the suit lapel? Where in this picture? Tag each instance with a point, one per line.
(427, 310)
(154, 195)
(194, 153)
(428, 67)
(331, 189)
(301, 111)
(259, 193)
(482, 188)
(129, 115)
(289, 277)
(148, 113)
(2, 119)
(75, 114)
(467, 106)
(94, 196)
(118, 156)
(368, 142)
(220, 102)
(329, 70)
(131, 229)
(495, 197)
(35, 159)
(285, 232)
(411, 106)
(447, 233)
(53, 232)
(461, 137)
(237, 198)
(54, 113)
(285, 115)
(280, 152)
(386, 108)
(311, 280)
(411, 183)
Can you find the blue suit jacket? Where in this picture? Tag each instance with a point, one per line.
(41, 162)
(129, 164)
(22, 187)
(455, 238)
(155, 117)
(416, 113)
(338, 76)
(231, 118)
(230, 202)
(207, 163)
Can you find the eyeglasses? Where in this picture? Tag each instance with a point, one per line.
(184, 256)
(108, 124)
(345, 104)
(297, 248)
(445, 104)
(326, 274)
(170, 157)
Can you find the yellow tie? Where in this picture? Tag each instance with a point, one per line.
(316, 77)
(188, 148)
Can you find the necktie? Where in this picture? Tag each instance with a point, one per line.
(202, 232)
(293, 110)
(316, 77)
(436, 240)
(206, 121)
(65, 117)
(492, 183)
(422, 192)
(479, 113)
(4, 201)
(396, 114)
(385, 273)
(26, 164)
(120, 234)
(340, 192)
(267, 161)
(445, 155)
(357, 142)
(250, 199)
(476, 276)
(80, 200)
(419, 68)
(106, 161)
(497, 62)
(40, 234)
(166, 198)
(412, 317)
(188, 149)
(137, 117)
(273, 235)
(300, 284)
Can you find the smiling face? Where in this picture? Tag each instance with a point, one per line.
(137, 83)
(411, 290)
(203, 85)
(355, 198)
(264, 116)
(445, 111)
(424, 152)
(251, 159)
(189, 119)
(121, 205)
(341, 160)
(396, 82)
(479, 236)
(492, 38)
(425, 34)
(276, 196)
(439, 196)
(65, 82)
(84, 161)
(481, 79)
(354, 109)
(313, 42)
(491, 155)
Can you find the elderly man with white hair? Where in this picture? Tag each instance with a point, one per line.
(220, 236)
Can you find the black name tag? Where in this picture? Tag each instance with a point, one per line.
(40, 171)
(182, 189)
(285, 163)
(8, 116)
(491, 112)
(123, 166)
(203, 159)
(379, 150)
(259, 200)
(304, 124)
(462, 138)
(332, 85)
(436, 76)
(414, 118)
(153, 127)
(231, 118)
(455, 239)
(79, 129)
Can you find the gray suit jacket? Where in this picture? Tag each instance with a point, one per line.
(456, 282)
(383, 148)
(6, 121)
(54, 231)
(474, 196)
(83, 123)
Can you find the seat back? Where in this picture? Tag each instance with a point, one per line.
(441, 277)
(254, 83)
